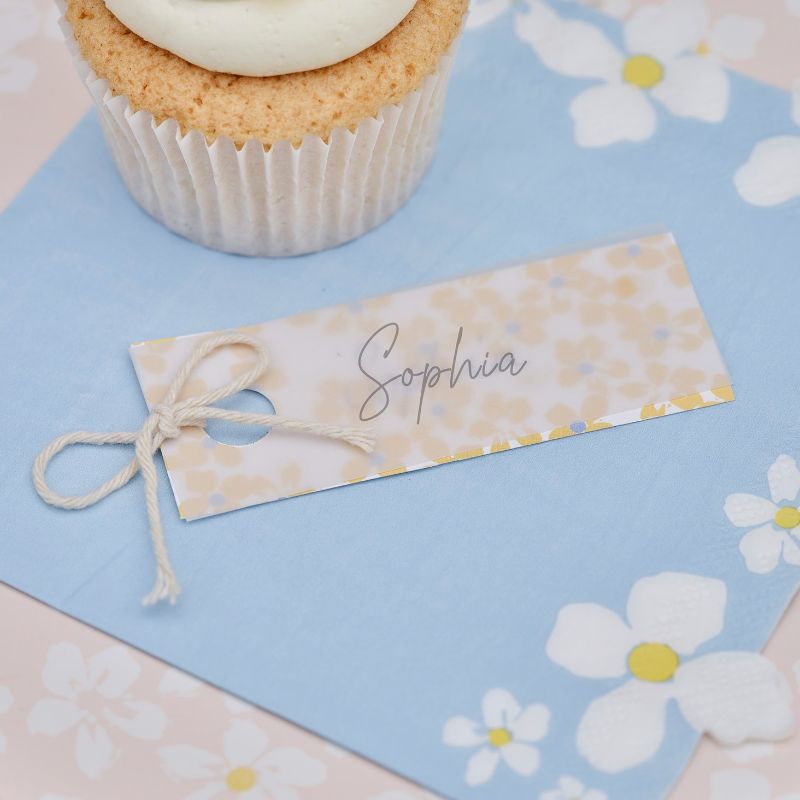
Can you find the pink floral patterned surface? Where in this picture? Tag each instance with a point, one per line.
(111, 722)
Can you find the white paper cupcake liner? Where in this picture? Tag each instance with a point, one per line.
(282, 201)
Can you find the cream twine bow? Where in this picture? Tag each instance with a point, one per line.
(165, 422)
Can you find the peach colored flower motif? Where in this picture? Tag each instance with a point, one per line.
(568, 421)
(644, 255)
(194, 448)
(496, 409)
(664, 382)
(655, 329)
(560, 282)
(584, 362)
(209, 492)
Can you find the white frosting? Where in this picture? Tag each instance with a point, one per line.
(261, 37)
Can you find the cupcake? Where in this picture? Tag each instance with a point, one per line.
(268, 127)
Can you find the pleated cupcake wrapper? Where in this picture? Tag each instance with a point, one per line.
(282, 201)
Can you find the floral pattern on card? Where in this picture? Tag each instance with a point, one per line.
(570, 344)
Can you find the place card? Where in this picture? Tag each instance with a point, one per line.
(519, 355)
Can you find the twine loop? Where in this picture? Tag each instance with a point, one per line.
(165, 421)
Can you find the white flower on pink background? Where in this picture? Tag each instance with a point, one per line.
(733, 696)
(91, 697)
(671, 56)
(775, 522)
(508, 733)
(744, 784)
(247, 768)
(771, 176)
(19, 21)
(6, 701)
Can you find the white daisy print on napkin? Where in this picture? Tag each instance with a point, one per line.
(671, 56)
(777, 519)
(482, 12)
(771, 176)
(734, 696)
(508, 733)
(744, 784)
(92, 697)
(570, 788)
(247, 768)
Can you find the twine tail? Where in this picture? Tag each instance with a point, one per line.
(166, 586)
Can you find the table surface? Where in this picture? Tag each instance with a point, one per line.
(40, 102)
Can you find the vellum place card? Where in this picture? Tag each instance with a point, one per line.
(515, 356)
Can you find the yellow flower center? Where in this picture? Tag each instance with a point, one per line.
(499, 737)
(703, 49)
(787, 517)
(653, 662)
(240, 779)
(642, 71)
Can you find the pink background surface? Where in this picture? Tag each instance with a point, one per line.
(40, 101)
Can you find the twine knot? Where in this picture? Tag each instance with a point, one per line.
(165, 422)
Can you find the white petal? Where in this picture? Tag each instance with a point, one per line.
(664, 31)
(623, 728)
(735, 697)
(146, 720)
(772, 174)
(751, 751)
(16, 73)
(500, 708)
(794, 7)
(791, 551)
(739, 784)
(462, 732)
(735, 36)
(244, 742)
(65, 672)
(185, 761)
(532, 724)
(216, 789)
(761, 549)
(611, 113)
(784, 479)
(94, 750)
(569, 47)
(481, 766)
(292, 766)
(482, 12)
(235, 705)
(6, 699)
(570, 786)
(677, 609)
(594, 794)
(744, 510)
(590, 641)
(113, 671)
(53, 716)
(178, 684)
(522, 758)
(694, 87)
